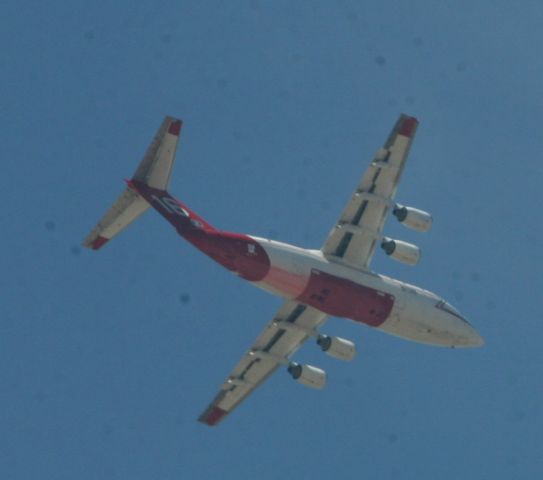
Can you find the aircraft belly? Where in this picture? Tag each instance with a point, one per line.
(288, 272)
(344, 298)
(285, 282)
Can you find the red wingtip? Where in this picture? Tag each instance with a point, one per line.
(99, 242)
(214, 416)
(175, 127)
(408, 126)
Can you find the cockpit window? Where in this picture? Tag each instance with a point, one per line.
(447, 307)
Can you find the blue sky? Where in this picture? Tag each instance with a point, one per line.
(107, 358)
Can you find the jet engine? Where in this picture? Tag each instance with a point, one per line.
(413, 218)
(337, 347)
(402, 251)
(308, 375)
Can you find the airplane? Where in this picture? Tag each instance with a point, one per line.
(335, 280)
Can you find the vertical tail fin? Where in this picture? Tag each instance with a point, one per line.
(154, 170)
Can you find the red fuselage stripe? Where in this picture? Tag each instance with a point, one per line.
(247, 258)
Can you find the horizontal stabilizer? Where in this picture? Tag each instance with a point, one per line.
(154, 170)
(124, 211)
(156, 167)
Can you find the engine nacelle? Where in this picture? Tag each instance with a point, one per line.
(402, 251)
(308, 375)
(337, 347)
(413, 218)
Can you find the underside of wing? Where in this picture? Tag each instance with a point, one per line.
(280, 339)
(353, 239)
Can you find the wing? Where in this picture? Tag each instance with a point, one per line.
(277, 343)
(353, 239)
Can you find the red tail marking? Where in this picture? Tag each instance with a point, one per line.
(408, 127)
(175, 128)
(215, 416)
(99, 242)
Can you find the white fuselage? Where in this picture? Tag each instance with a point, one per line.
(416, 314)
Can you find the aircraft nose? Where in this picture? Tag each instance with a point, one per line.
(469, 337)
(463, 333)
(474, 339)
